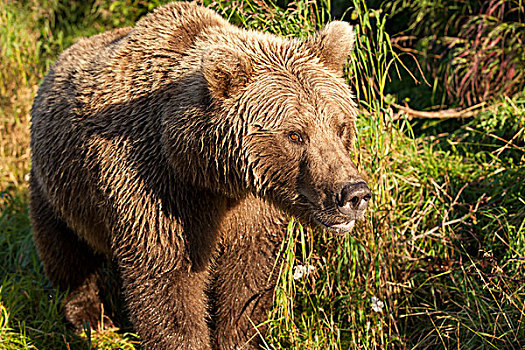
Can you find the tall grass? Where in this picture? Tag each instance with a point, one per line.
(473, 50)
(298, 19)
(442, 247)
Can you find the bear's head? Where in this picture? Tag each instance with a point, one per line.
(281, 124)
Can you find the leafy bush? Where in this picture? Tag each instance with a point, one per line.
(474, 50)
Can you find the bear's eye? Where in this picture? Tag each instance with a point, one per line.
(342, 130)
(295, 136)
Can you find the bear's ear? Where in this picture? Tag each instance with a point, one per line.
(333, 44)
(226, 71)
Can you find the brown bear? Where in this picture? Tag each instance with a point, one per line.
(178, 149)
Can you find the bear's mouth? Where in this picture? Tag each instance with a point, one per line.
(339, 227)
(330, 219)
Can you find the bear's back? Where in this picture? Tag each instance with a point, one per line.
(122, 64)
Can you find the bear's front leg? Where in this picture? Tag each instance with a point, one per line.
(167, 308)
(245, 273)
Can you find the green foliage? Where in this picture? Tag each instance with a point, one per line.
(474, 50)
(30, 309)
(373, 56)
(296, 19)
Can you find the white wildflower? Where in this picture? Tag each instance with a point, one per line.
(377, 305)
(302, 270)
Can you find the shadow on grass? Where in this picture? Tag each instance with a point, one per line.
(31, 309)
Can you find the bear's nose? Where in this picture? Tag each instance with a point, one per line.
(353, 197)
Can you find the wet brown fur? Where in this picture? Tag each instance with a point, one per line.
(165, 147)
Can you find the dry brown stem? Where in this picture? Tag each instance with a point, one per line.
(441, 114)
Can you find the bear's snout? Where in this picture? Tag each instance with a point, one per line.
(353, 198)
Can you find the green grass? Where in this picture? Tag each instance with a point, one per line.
(30, 308)
(443, 244)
